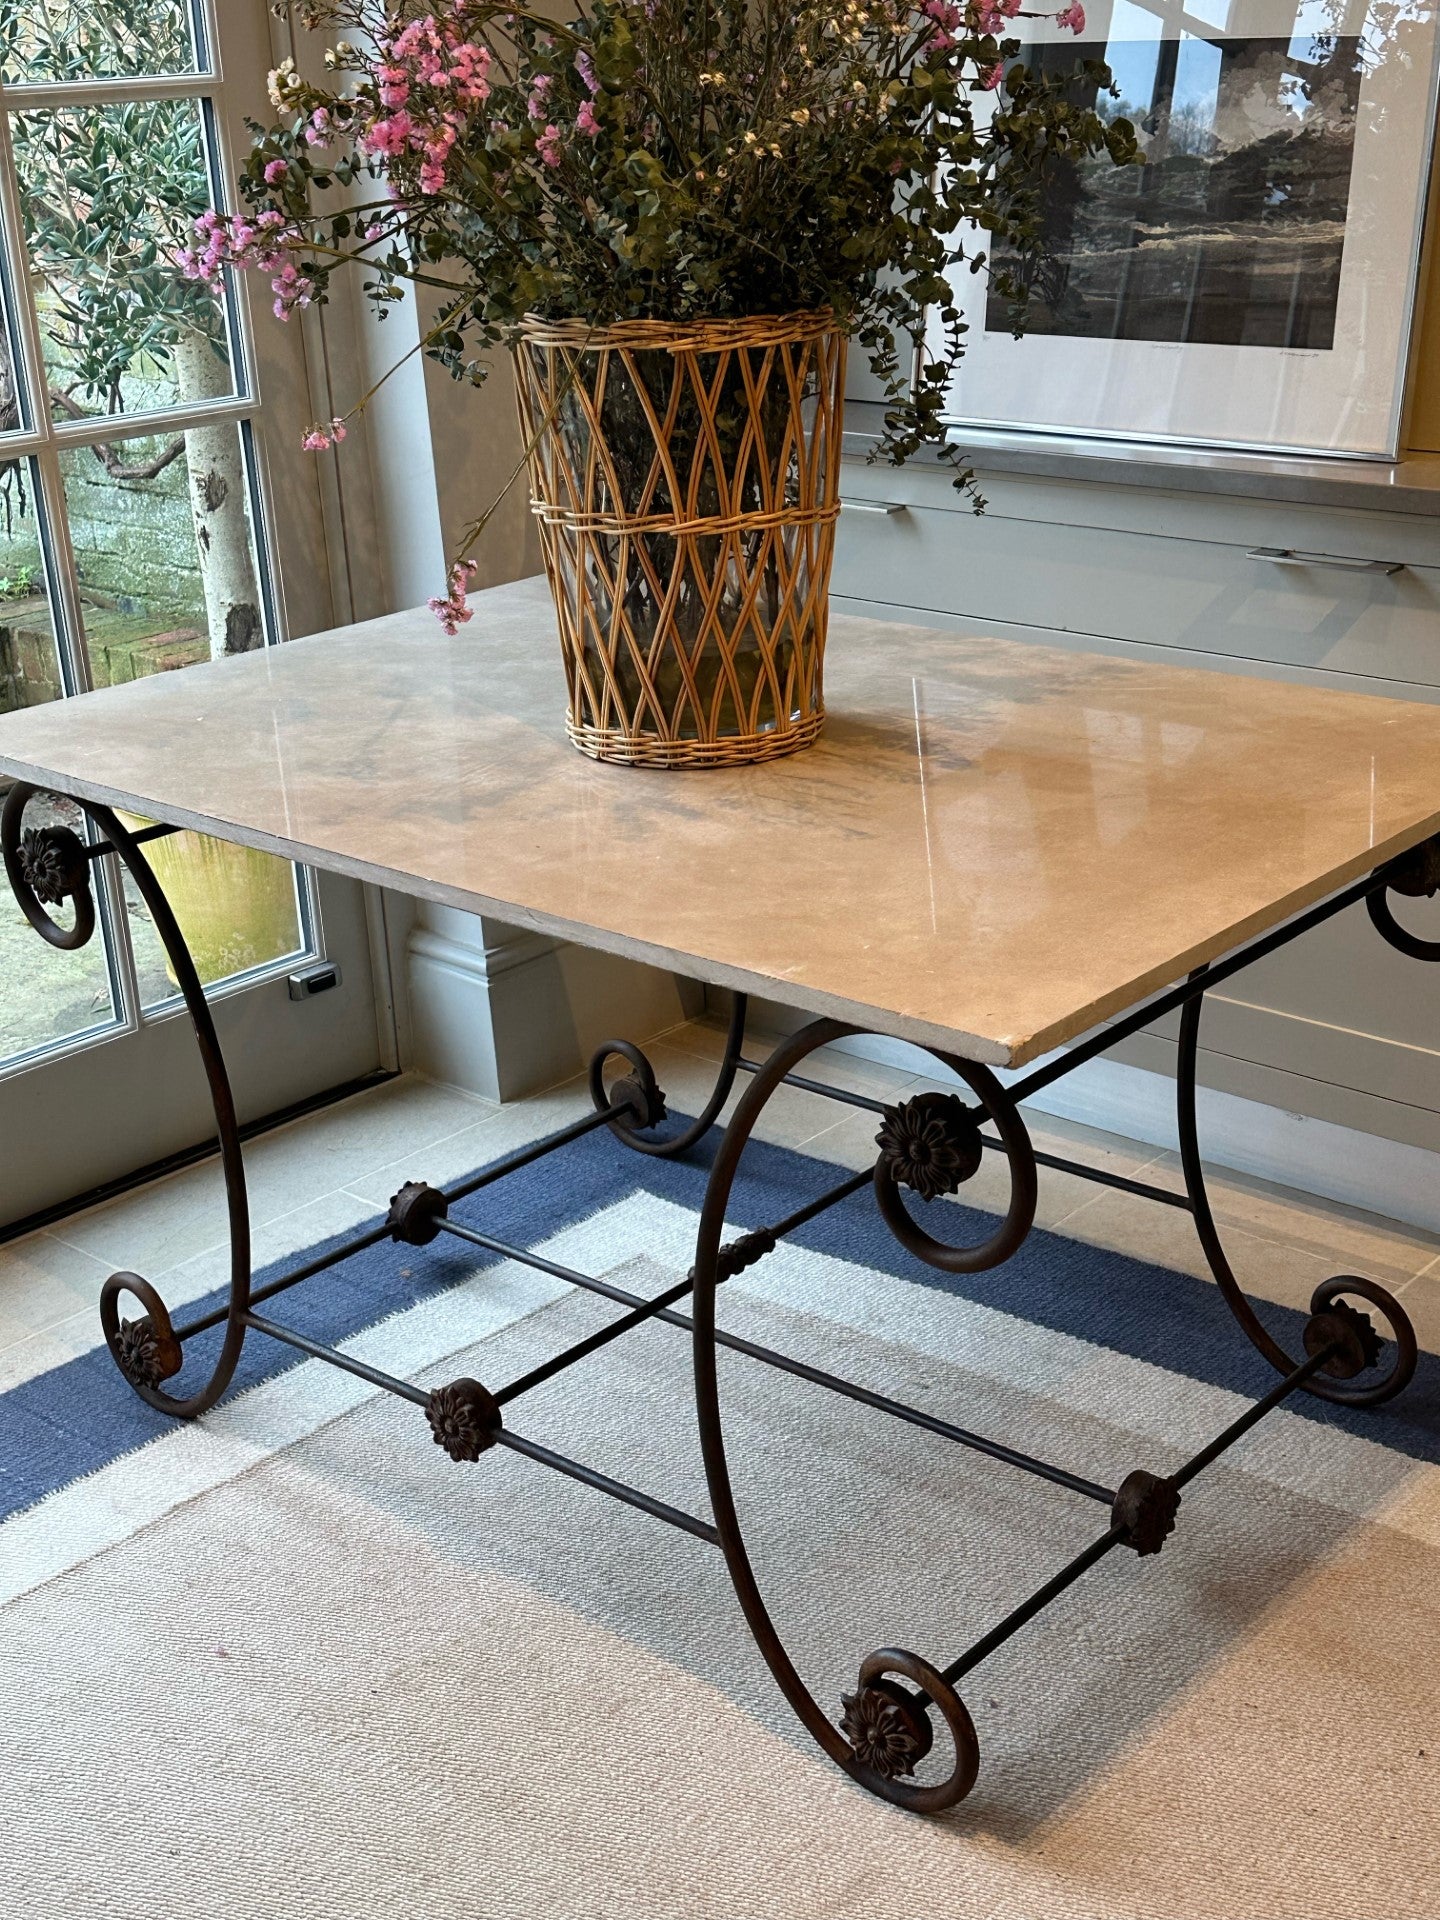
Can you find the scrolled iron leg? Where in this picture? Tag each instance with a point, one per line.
(890, 1732)
(1416, 876)
(47, 866)
(1349, 1377)
(645, 1103)
(928, 1145)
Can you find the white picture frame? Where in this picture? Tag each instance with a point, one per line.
(1273, 328)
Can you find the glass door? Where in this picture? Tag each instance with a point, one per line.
(136, 537)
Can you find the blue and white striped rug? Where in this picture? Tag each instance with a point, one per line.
(292, 1660)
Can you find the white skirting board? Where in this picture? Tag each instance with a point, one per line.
(502, 1013)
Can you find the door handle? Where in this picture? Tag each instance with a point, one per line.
(889, 507)
(1339, 562)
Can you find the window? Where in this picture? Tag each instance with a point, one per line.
(132, 526)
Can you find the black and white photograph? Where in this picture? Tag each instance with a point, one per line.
(1269, 221)
(1232, 228)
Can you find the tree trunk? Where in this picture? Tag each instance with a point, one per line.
(218, 501)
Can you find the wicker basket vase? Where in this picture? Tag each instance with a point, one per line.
(686, 480)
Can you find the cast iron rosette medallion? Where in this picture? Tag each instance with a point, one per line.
(931, 1144)
(146, 1349)
(53, 863)
(1146, 1507)
(1385, 1360)
(643, 1096)
(1352, 1334)
(46, 866)
(890, 1730)
(888, 1735)
(146, 1354)
(464, 1418)
(635, 1102)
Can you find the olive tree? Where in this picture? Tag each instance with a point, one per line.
(110, 195)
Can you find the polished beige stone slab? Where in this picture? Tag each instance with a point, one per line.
(994, 847)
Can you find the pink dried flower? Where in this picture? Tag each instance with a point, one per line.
(548, 146)
(585, 121)
(949, 20)
(222, 240)
(275, 170)
(389, 136)
(292, 289)
(535, 106)
(1073, 17)
(453, 611)
(990, 80)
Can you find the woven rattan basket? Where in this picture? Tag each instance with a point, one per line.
(686, 480)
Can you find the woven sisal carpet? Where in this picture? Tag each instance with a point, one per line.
(293, 1662)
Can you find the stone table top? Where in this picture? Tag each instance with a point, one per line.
(993, 847)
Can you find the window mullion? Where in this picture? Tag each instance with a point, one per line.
(18, 286)
(206, 28)
(215, 132)
(44, 96)
(96, 427)
(65, 577)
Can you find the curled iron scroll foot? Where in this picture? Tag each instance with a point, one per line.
(1362, 1350)
(889, 1720)
(641, 1105)
(46, 866)
(889, 1732)
(51, 864)
(146, 1349)
(1348, 1378)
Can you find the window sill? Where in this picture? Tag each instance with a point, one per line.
(1408, 485)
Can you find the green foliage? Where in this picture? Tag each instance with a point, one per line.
(78, 39)
(667, 159)
(109, 194)
(23, 584)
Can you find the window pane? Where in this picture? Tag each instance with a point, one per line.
(237, 909)
(168, 576)
(109, 194)
(44, 40)
(164, 551)
(48, 996)
(45, 996)
(29, 665)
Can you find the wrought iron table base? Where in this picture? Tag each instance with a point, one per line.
(928, 1145)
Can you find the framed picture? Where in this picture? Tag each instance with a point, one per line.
(1252, 283)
